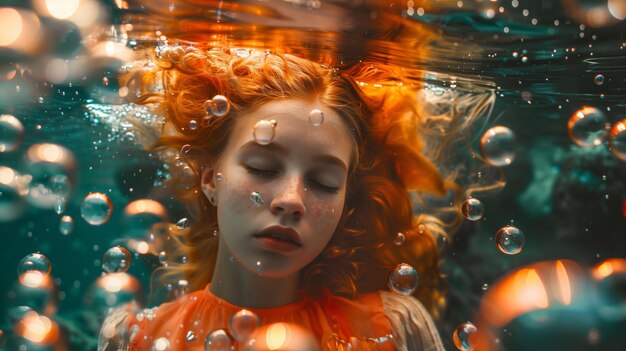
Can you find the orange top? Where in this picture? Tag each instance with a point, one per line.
(186, 321)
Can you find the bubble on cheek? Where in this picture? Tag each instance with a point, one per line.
(258, 267)
(256, 199)
(219, 176)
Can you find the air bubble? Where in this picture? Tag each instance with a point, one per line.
(182, 224)
(473, 209)
(96, 208)
(403, 279)
(264, 131)
(316, 117)
(510, 240)
(256, 199)
(217, 106)
(498, 146)
(617, 140)
(399, 239)
(11, 133)
(116, 260)
(599, 79)
(243, 324)
(465, 337)
(161, 344)
(588, 127)
(218, 340)
(66, 226)
(34, 262)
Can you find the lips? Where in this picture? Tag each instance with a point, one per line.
(285, 234)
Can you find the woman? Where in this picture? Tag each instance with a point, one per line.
(298, 177)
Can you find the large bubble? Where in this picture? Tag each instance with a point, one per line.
(403, 279)
(34, 262)
(51, 168)
(473, 209)
(11, 133)
(588, 127)
(510, 240)
(264, 131)
(617, 140)
(498, 146)
(218, 340)
(12, 191)
(96, 208)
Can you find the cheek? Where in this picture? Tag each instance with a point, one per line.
(237, 198)
(326, 214)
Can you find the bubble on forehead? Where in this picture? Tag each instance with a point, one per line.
(316, 117)
(264, 131)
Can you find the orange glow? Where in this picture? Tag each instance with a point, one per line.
(33, 279)
(142, 247)
(608, 268)
(38, 329)
(62, 9)
(564, 285)
(534, 292)
(276, 336)
(145, 206)
(11, 25)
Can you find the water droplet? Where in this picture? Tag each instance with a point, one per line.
(617, 140)
(116, 260)
(525, 59)
(96, 208)
(219, 177)
(218, 340)
(66, 225)
(243, 324)
(182, 224)
(263, 132)
(193, 124)
(218, 106)
(473, 209)
(190, 336)
(510, 240)
(163, 258)
(598, 79)
(485, 287)
(403, 279)
(161, 344)
(60, 206)
(498, 146)
(34, 262)
(465, 337)
(399, 239)
(316, 117)
(256, 199)
(11, 133)
(588, 127)
(515, 54)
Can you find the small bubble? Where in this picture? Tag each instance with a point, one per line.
(399, 239)
(182, 224)
(190, 336)
(466, 337)
(264, 131)
(316, 117)
(161, 344)
(163, 258)
(598, 79)
(219, 176)
(256, 199)
(66, 225)
(193, 124)
(243, 324)
(34, 262)
(218, 340)
(116, 259)
(510, 240)
(524, 59)
(473, 209)
(403, 279)
(485, 287)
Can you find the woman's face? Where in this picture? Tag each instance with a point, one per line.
(300, 176)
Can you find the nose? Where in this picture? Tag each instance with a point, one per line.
(290, 198)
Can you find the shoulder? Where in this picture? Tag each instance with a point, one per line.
(114, 334)
(412, 326)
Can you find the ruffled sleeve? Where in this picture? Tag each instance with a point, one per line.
(412, 327)
(114, 335)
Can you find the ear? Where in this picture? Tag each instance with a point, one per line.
(207, 182)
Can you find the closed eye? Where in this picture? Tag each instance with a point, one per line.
(268, 173)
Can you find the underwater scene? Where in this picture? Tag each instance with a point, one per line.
(521, 108)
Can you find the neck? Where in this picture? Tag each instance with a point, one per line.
(239, 286)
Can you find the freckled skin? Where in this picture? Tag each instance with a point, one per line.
(292, 195)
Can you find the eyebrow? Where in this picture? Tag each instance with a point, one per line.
(284, 151)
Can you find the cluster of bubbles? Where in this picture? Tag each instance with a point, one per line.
(590, 127)
(403, 279)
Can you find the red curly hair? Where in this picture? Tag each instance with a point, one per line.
(372, 100)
